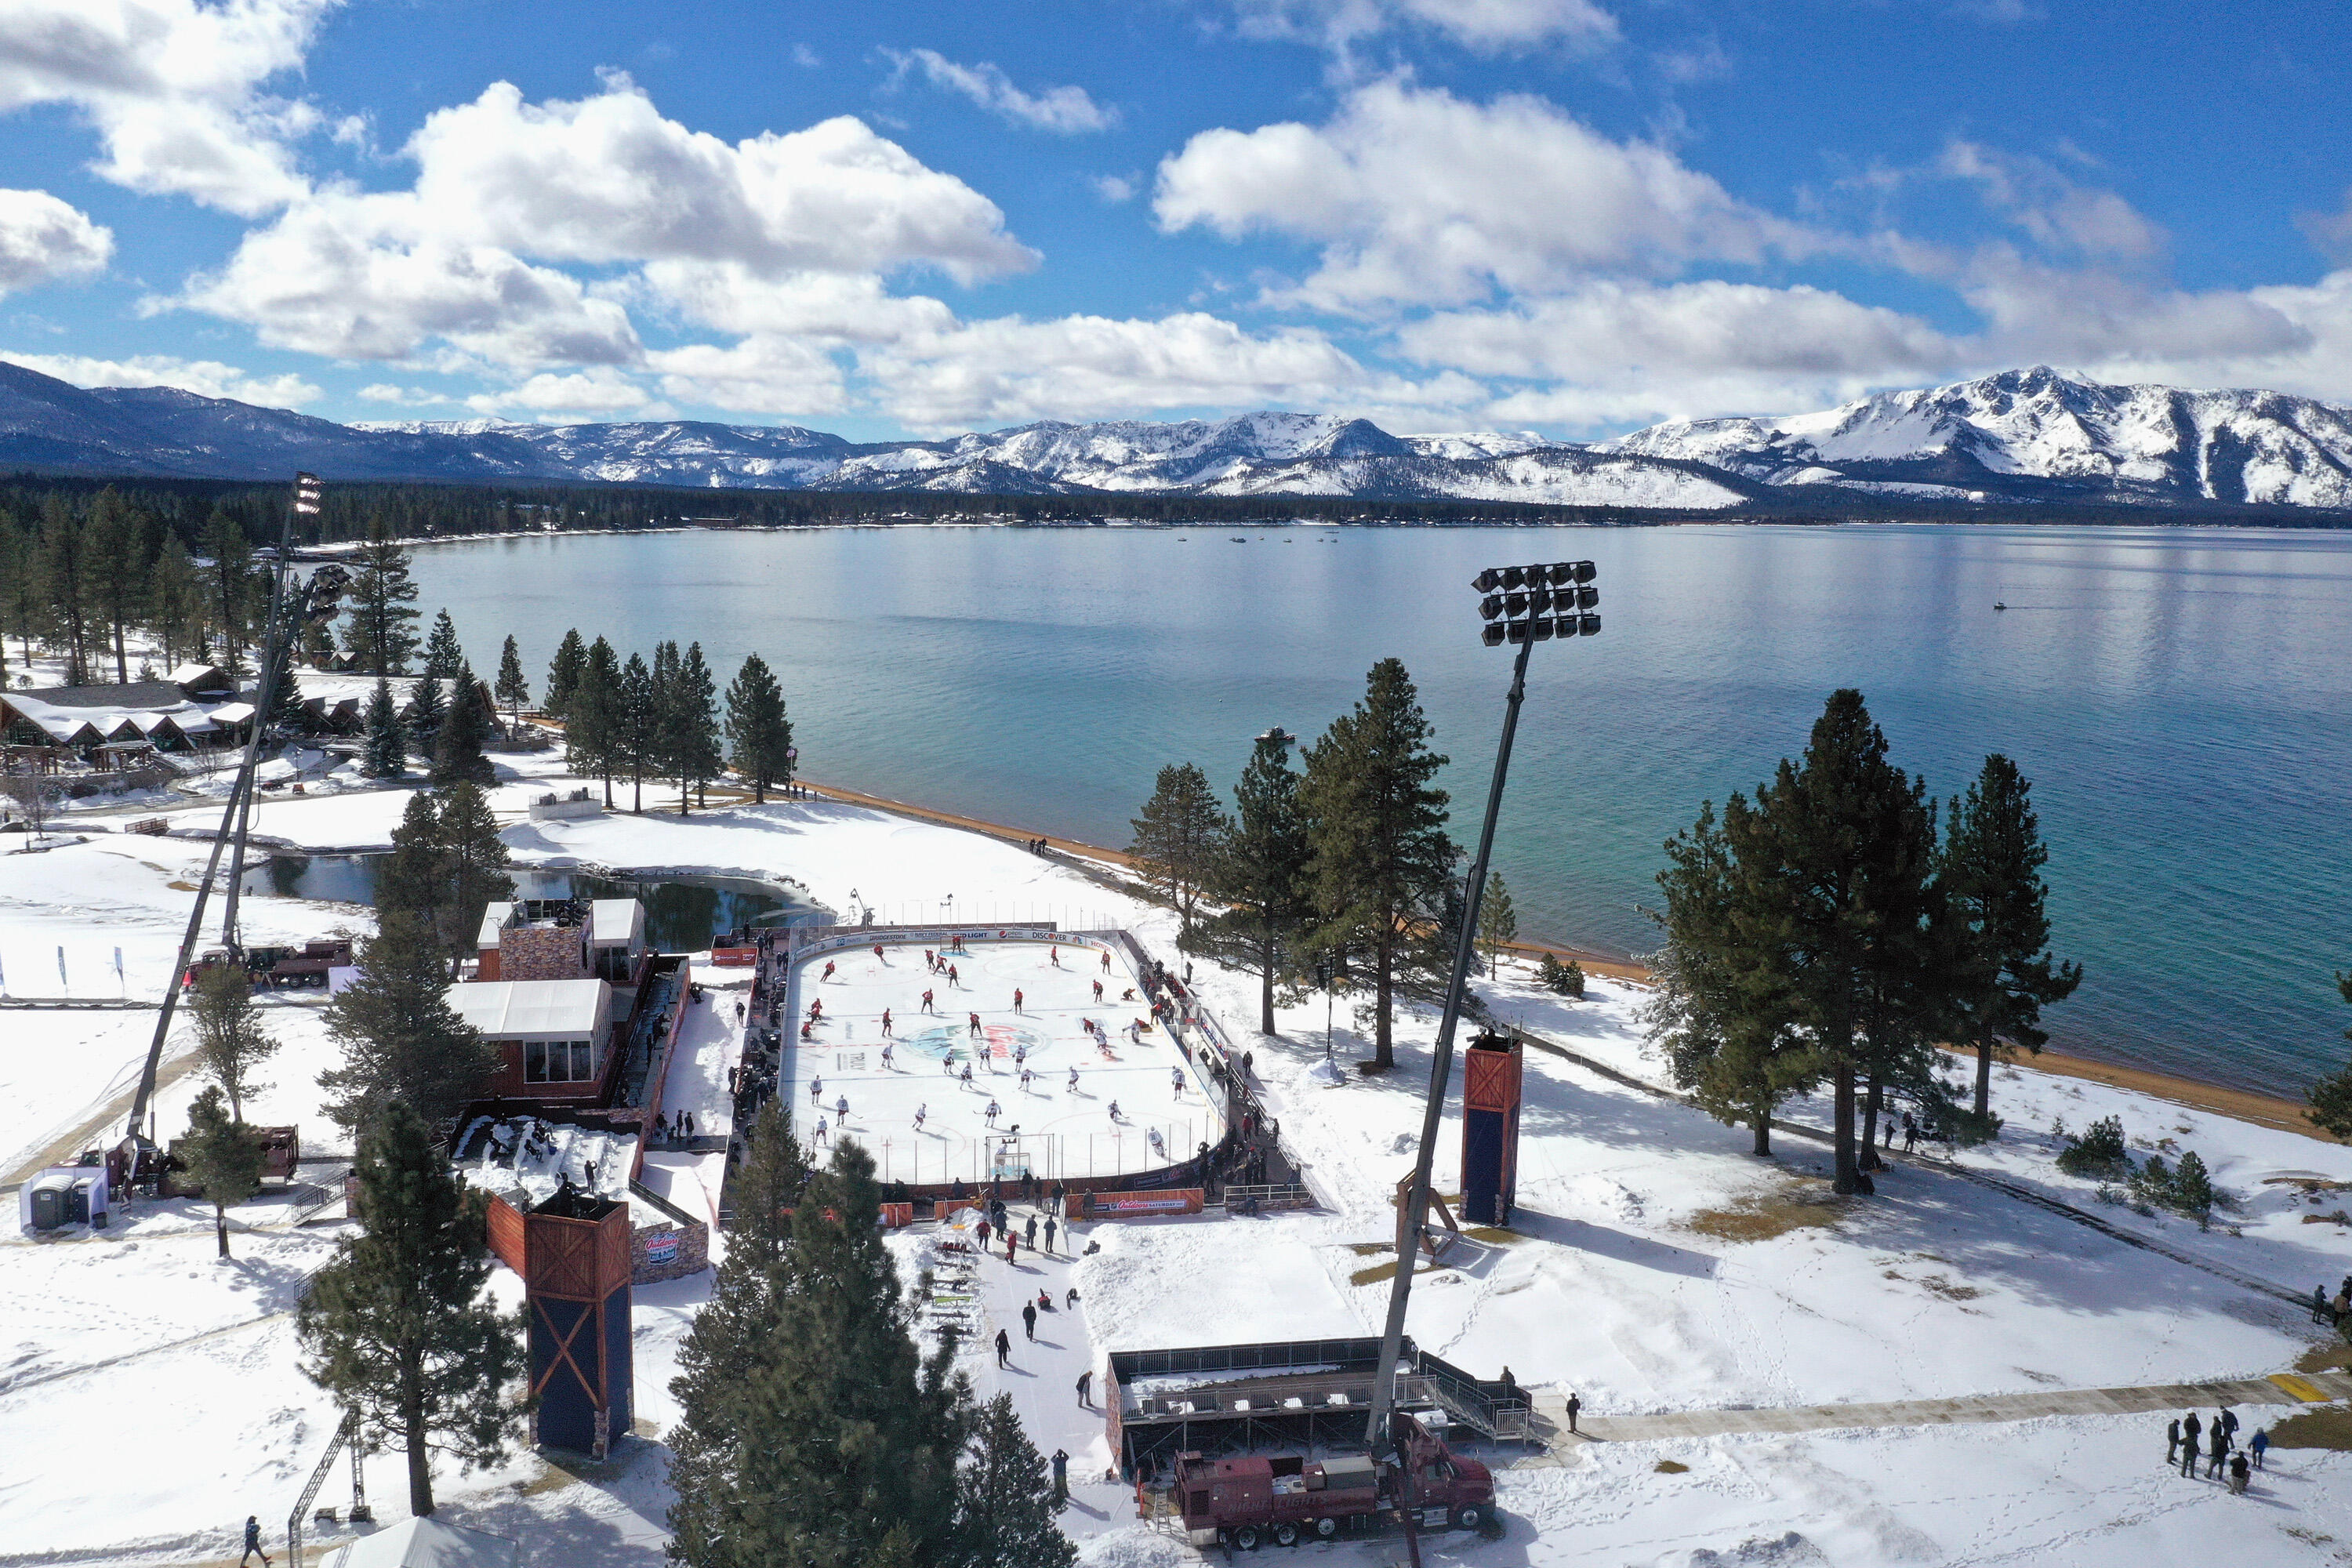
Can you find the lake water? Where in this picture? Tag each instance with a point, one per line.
(682, 913)
(2180, 698)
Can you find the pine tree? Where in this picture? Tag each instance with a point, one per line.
(636, 728)
(231, 1041)
(1258, 875)
(511, 689)
(2331, 1098)
(381, 635)
(1834, 915)
(1177, 839)
(229, 584)
(63, 570)
(222, 1157)
(592, 725)
(1991, 875)
(2192, 1187)
(457, 749)
(1379, 857)
(401, 1040)
(1004, 1506)
(175, 600)
(812, 1431)
(397, 1327)
(474, 861)
(409, 880)
(690, 721)
(1498, 923)
(387, 738)
(759, 735)
(443, 658)
(117, 572)
(563, 675)
(428, 710)
(286, 716)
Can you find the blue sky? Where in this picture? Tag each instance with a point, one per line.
(1576, 216)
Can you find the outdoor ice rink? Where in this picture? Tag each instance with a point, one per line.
(1063, 1131)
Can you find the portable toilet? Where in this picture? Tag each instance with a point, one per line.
(49, 1207)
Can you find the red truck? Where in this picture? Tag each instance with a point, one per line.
(1246, 1502)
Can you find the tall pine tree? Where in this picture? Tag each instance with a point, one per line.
(428, 710)
(1992, 874)
(1177, 839)
(759, 735)
(635, 733)
(690, 722)
(398, 1327)
(563, 675)
(457, 749)
(1004, 1506)
(229, 584)
(231, 1040)
(387, 738)
(117, 571)
(175, 611)
(382, 633)
(1379, 857)
(591, 720)
(1498, 921)
(443, 655)
(811, 1429)
(511, 689)
(1257, 877)
(62, 567)
(401, 1040)
(222, 1157)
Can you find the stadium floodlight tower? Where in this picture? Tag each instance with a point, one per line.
(1522, 605)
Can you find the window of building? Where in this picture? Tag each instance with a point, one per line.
(559, 1061)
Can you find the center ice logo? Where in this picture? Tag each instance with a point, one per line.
(997, 1041)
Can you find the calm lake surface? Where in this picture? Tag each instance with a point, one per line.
(2180, 698)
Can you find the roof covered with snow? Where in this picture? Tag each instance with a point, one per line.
(427, 1543)
(523, 1009)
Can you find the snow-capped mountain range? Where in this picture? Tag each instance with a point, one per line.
(2018, 436)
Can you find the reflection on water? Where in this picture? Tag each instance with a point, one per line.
(682, 913)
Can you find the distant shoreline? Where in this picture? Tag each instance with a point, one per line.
(2239, 1105)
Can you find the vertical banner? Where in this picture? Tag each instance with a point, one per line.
(61, 969)
(120, 982)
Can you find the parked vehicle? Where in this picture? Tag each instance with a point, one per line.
(1246, 1501)
(275, 968)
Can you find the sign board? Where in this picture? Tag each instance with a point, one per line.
(1181, 1200)
(661, 1247)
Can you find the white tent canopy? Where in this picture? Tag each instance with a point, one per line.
(428, 1543)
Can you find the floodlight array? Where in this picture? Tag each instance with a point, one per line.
(1537, 603)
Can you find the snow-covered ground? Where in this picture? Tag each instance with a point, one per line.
(1087, 1106)
(150, 1396)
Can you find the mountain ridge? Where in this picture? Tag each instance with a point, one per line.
(2029, 435)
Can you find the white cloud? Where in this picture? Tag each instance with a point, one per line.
(805, 57)
(1010, 370)
(2053, 208)
(1066, 111)
(1116, 188)
(403, 396)
(790, 233)
(598, 391)
(173, 88)
(764, 373)
(205, 378)
(1488, 25)
(1418, 196)
(608, 178)
(44, 240)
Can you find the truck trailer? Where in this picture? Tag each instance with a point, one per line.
(1246, 1501)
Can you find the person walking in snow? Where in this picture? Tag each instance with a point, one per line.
(1029, 1320)
(2228, 1420)
(1910, 1133)
(1003, 1349)
(2240, 1475)
(2191, 1431)
(1086, 1388)
(984, 1232)
(253, 1542)
(2217, 1449)
(1061, 1477)
(1011, 1244)
(1029, 1233)
(1070, 1302)
(1049, 1247)
(1574, 1405)
(2259, 1445)
(2172, 1442)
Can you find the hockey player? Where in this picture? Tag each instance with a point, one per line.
(1016, 999)
(841, 1109)
(877, 956)
(1055, 956)
(975, 1027)
(967, 1075)
(993, 1112)
(887, 1048)
(1097, 991)
(954, 981)
(828, 972)
(1106, 958)
(920, 1111)
(821, 1136)
(1073, 1080)
(886, 1023)
(927, 1002)
(1176, 1081)
(817, 1087)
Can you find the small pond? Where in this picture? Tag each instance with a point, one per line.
(682, 913)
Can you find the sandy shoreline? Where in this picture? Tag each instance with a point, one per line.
(2261, 1110)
